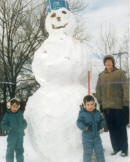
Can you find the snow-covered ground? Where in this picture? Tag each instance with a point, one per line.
(31, 156)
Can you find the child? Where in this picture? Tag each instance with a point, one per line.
(90, 122)
(14, 124)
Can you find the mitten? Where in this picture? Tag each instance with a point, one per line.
(89, 127)
(102, 130)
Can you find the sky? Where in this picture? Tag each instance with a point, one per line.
(103, 12)
(106, 14)
(99, 4)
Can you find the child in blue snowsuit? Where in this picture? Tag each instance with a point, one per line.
(14, 124)
(90, 122)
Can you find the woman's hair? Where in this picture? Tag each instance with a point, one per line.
(88, 98)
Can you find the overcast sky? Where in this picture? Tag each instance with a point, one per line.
(101, 12)
(98, 4)
(104, 13)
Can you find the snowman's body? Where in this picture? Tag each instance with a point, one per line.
(60, 66)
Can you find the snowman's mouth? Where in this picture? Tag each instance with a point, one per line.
(59, 27)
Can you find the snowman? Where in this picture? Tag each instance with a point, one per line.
(60, 66)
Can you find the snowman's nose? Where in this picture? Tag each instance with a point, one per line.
(58, 18)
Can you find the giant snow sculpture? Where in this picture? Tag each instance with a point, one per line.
(60, 66)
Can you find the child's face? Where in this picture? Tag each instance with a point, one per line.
(89, 106)
(14, 108)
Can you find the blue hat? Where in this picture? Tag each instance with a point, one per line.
(56, 4)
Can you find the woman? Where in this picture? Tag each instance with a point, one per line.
(112, 94)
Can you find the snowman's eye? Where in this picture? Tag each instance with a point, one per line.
(53, 15)
(64, 12)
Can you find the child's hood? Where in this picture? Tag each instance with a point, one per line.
(81, 108)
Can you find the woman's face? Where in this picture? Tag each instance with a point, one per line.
(109, 65)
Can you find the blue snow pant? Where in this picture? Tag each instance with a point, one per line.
(15, 144)
(90, 145)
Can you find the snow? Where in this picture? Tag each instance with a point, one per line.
(31, 156)
(29, 153)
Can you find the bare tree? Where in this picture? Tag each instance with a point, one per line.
(110, 43)
(43, 18)
(20, 36)
(22, 29)
(81, 33)
(78, 5)
(107, 42)
(123, 54)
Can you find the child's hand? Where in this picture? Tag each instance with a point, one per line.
(86, 129)
(102, 130)
(7, 131)
(89, 127)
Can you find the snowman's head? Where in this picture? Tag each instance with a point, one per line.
(60, 21)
